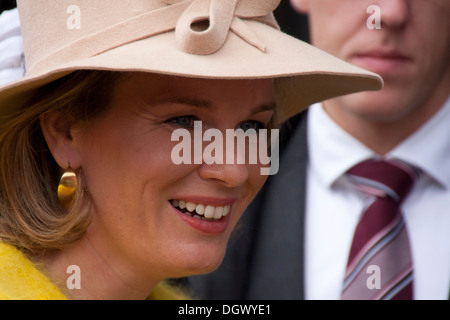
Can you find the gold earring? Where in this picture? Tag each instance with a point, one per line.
(67, 188)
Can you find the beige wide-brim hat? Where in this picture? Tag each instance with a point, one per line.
(226, 39)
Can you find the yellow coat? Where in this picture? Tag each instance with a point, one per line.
(20, 280)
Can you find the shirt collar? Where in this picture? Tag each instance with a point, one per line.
(333, 151)
(429, 147)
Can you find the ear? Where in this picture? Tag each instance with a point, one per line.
(301, 6)
(57, 132)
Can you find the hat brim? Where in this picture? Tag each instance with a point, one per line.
(304, 74)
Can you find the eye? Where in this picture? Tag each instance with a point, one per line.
(183, 121)
(251, 124)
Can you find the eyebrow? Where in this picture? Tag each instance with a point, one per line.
(265, 107)
(204, 104)
(198, 103)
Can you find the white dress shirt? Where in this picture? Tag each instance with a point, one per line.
(333, 206)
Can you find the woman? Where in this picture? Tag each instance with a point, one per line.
(100, 105)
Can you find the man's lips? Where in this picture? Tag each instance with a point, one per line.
(381, 61)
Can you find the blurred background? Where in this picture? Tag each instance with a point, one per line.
(7, 4)
(292, 22)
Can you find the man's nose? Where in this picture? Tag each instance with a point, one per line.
(394, 13)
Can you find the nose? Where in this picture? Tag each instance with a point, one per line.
(230, 175)
(394, 13)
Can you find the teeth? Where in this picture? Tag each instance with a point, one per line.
(218, 213)
(190, 206)
(209, 212)
(201, 210)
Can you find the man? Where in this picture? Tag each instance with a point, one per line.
(295, 239)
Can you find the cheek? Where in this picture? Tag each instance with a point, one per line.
(118, 168)
(433, 56)
(255, 182)
(332, 25)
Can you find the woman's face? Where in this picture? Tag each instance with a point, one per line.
(135, 187)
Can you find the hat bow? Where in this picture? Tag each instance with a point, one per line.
(203, 27)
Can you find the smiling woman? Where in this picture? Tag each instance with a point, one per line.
(101, 102)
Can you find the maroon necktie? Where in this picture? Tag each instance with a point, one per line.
(380, 263)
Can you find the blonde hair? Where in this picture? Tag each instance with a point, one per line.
(31, 217)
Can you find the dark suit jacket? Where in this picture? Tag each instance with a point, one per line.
(264, 258)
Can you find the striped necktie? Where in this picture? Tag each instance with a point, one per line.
(380, 264)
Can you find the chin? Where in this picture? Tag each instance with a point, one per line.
(200, 260)
(204, 268)
(374, 106)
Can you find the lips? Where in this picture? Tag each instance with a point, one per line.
(380, 60)
(383, 54)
